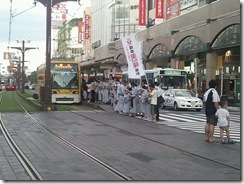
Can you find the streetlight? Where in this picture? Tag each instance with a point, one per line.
(23, 49)
(18, 71)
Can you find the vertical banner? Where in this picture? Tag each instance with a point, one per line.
(132, 50)
(159, 6)
(142, 12)
(79, 31)
(172, 8)
(87, 27)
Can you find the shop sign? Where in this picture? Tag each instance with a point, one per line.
(142, 12)
(87, 27)
(159, 9)
(187, 3)
(172, 8)
(79, 31)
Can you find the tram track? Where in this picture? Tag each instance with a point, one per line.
(159, 142)
(107, 166)
(30, 169)
(27, 164)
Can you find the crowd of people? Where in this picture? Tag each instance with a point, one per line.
(129, 99)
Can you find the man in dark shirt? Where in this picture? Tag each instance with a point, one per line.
(211, 99)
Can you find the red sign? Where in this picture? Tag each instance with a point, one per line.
(142, 13)
(172, 8)
(159, 9)
(79, 31)
(87, 27)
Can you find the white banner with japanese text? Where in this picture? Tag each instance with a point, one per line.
(132, 50)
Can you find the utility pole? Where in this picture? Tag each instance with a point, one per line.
(23, 49)
(48, 4)
(18, 71)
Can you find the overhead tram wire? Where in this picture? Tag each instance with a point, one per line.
(11, 16)
(10, 23)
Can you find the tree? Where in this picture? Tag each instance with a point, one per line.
(33, 77)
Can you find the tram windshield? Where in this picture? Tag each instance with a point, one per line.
(64, 78)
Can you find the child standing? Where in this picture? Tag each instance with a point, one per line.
(224, 122)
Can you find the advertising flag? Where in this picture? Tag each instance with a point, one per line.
(132, 50)
(142, 12)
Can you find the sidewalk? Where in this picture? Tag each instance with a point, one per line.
(232, 108)
(109, 108)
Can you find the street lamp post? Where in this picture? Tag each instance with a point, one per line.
(23, 49)
(18, 71)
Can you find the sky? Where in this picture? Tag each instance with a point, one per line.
(29, 23)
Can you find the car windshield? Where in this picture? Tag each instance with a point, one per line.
(184, 94)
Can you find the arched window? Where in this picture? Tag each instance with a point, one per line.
(228, 38)
(160, 51)
(191, 44)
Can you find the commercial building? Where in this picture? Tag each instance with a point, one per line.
(201, 35)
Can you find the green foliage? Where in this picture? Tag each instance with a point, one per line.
(33, 77)
(9, 103)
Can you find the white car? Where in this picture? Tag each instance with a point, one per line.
(181, 99)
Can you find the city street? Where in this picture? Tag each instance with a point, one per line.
(138, 149)
(195, 121)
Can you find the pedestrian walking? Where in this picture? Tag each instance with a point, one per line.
(223, 116)
(211, 99)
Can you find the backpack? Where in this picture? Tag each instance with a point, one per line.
(209, 105)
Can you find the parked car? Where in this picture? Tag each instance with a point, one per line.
(181, 99)
(30, 86)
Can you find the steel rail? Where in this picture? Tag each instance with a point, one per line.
(30, 169)
(78, 149)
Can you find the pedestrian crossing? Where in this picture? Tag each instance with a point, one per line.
(196, 123)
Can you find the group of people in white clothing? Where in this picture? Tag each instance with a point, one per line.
(126, 98)
(137, 100)
(143, 100)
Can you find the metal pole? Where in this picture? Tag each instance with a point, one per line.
(48, 54)
(19, 73)
(196, 61)
(23, 65)
(221, 84)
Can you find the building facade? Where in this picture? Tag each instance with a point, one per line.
(203, 35)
